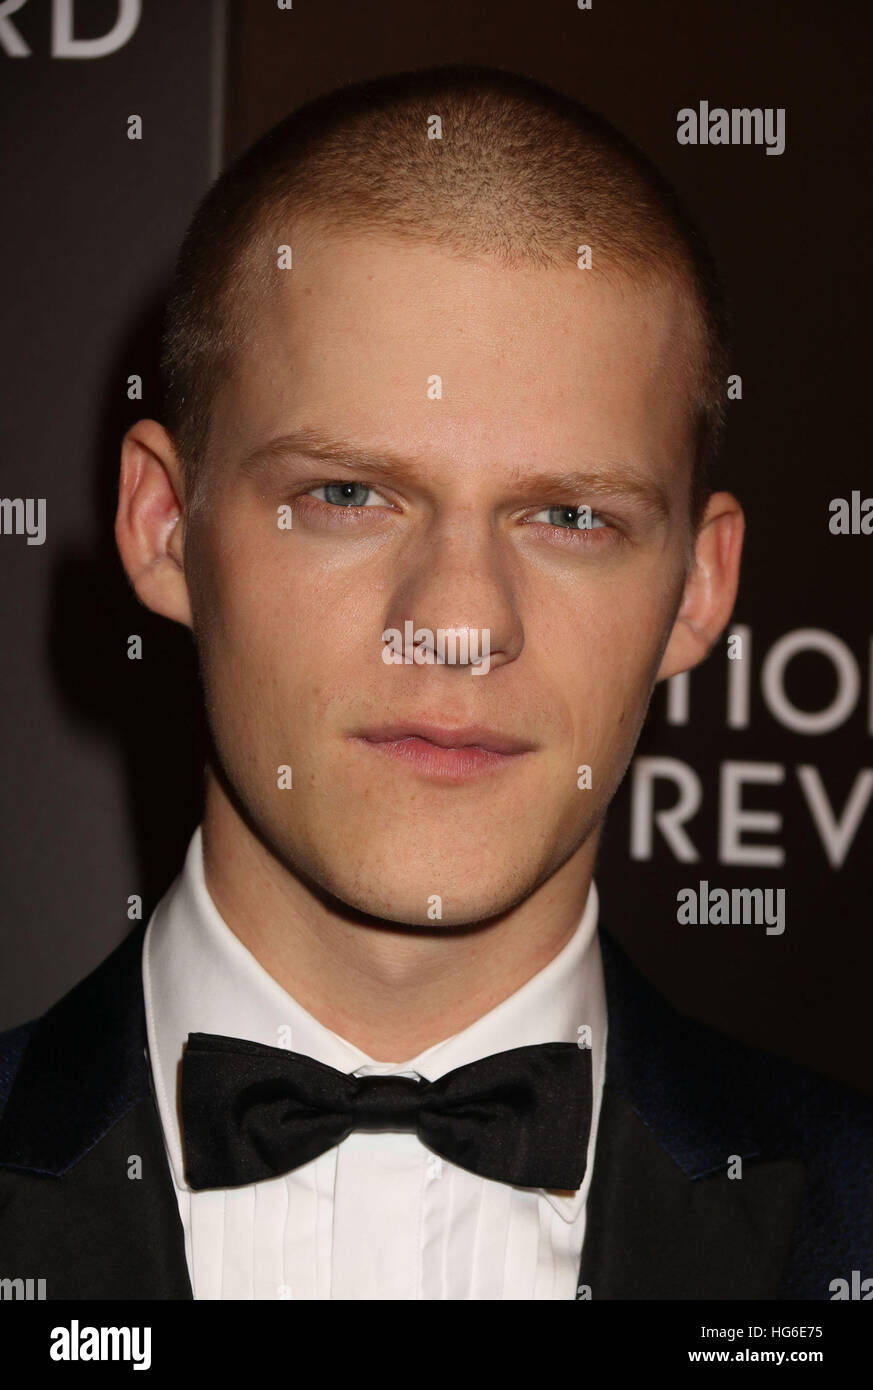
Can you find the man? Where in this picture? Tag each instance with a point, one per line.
(445, 363)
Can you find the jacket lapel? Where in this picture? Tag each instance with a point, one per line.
(665, 1221)
(86, 1197)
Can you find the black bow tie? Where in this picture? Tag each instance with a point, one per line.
(251, 1112)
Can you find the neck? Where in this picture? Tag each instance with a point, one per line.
(390, 989)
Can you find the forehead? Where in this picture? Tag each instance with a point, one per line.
(408, 343)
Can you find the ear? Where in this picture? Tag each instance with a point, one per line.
(710, 589)
(149, 526)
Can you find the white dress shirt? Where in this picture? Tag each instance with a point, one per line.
(380, 1216)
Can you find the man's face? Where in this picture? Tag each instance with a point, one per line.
(461, 517)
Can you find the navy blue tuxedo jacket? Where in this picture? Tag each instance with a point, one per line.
(665, 1221)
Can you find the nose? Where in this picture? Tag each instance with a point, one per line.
(459, 580)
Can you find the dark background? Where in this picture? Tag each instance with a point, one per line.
(101, 787)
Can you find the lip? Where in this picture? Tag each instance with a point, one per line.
(448, 736)
(440, 750)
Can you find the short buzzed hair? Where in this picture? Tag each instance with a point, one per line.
(521, 173)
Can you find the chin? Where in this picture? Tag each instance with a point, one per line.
(434, 897)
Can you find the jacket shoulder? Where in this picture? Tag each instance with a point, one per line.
(13, 1044)
(668, 1062)
(830, 1127)
(709, 1097)
(68, 1076)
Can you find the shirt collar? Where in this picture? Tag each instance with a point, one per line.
(199, 977)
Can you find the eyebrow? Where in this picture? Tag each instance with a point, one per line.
(613, 480)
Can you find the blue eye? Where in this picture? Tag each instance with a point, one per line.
(574, 518)
(345, 494)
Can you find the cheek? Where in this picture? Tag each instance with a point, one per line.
(278, 642)
(601, 656)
